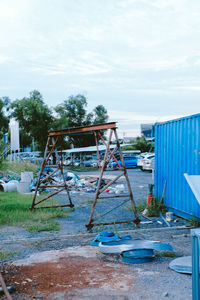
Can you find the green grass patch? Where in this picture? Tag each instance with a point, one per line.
(49, 225)
(4, 254)
(18, 167)
(153, 210)
(193, 223)
(14, 210)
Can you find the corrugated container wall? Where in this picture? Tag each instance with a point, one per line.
(177, 151)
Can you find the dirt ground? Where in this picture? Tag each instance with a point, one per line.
(62, 265)
(82, 272)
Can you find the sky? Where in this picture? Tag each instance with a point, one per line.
(138, 58)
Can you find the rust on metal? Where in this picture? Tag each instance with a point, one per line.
(56, 137)
(68, 131)
(90, 226)
(4, 287)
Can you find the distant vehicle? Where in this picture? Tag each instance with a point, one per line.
(67, 162)
(90, 163)
(31, 157)
(142, 157)
(129, 161)
(148, 163)
(76, 162)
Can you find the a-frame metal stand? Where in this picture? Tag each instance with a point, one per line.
(54, 137)
(42, 180)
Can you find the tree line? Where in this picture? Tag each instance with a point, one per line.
(36, 119)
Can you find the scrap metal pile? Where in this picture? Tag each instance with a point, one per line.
(129, 249)
(74, 182)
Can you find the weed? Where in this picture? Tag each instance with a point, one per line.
(141, 206)
(89, 200)
(33, 244)
(4, 254)
(14, 210)
(115, 229)
(50, 225)
(193, 223)
(18, 167)
(153, 210)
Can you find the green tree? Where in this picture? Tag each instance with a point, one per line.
(100, 115)
(35, 119)
(4, 119)
(140, 143)
(73, 113)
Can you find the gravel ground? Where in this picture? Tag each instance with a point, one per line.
(152, 281)
(25, 243)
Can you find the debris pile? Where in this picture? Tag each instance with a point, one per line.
(73, 182)
(130, 250)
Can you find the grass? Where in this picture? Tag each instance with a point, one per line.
(18, 167)
(4, 254)
(49, 225)
(193, 223)
(80, 168)
(14, 210)
(153, 210)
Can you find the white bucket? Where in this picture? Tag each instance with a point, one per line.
(169, 216)
(27, 176)
(23, 187)
(9, 186)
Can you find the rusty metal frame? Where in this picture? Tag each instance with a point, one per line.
(54, 138)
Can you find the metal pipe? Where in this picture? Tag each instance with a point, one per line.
(108, 211)
(42, 168)
(54, 206)
(127, 179)
(116, 196)
(110, 183)
(49, 196)
(4, 287)
(89, 226)
(100, 177)
(109, 150)
(97, 145)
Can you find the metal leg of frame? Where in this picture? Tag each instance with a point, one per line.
(42, 168)
(137, 220)
(60, 165)
(195, 265)
(99, 182)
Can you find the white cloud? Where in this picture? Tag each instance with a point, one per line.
(125, 49)
(130, 118)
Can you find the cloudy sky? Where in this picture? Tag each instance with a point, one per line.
(139, 58)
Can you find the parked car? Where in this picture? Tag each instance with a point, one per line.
(129, 161)
(67, 162)
(142, 157)
(90, 163)
(148, 164)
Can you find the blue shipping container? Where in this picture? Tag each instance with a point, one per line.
(177, 151)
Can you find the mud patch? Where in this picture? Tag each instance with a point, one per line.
(69, 272)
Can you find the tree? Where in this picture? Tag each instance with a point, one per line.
(73, 113)
(35, 119)
(4, 119)
(140, 143)
(100, 114)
